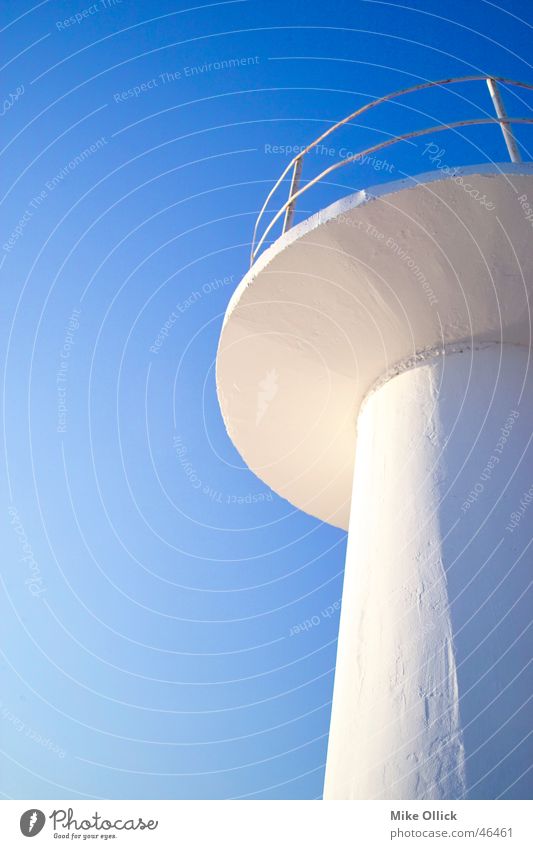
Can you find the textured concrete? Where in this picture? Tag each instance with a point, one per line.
(432, 682)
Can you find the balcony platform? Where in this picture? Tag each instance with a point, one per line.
(357, 293)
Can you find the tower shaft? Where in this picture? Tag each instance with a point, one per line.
(432, 681)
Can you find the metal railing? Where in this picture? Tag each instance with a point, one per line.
(288, 208)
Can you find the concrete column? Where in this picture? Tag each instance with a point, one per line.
(432, 683)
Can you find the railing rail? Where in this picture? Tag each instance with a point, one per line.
(288, 208)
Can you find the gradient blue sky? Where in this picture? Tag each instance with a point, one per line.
(150, 582)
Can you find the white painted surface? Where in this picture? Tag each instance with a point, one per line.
(432, 685)
(418, 298)
(331, 307)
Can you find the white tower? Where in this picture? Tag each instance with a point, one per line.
(395, 327)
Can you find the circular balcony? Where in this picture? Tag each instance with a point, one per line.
(361, 290)
(268, 218)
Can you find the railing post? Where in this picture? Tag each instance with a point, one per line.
(295, 182)
(510, 140)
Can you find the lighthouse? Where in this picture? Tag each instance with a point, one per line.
(375, 370)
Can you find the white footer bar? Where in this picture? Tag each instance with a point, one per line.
(268, 824)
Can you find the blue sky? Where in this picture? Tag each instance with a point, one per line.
(152, 585)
